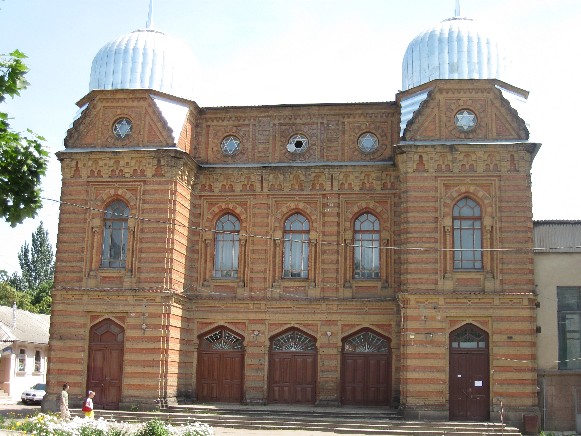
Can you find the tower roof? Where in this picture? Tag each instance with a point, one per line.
(144, 59)
(456, 48)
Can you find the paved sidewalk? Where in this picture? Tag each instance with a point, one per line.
(20, 409)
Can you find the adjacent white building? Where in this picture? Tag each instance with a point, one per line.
(24, 344)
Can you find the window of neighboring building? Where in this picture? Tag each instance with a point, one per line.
(37, 364)
(227, 242)
(366, 247)
(467, 235)
(22, 360)
(569, 327)
(296, 247)
(115, 231)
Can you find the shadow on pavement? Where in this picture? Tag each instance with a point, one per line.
(18, 410)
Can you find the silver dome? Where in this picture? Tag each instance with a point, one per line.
(457, 48)
(144, 59)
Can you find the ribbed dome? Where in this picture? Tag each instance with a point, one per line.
(457, 48)
(144, 59)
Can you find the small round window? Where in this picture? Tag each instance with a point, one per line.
(230, 145)
(368, 142)
(122, 128)
(465, 120)
(297, 144)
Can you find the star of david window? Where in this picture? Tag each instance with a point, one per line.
(293, 341)
(298, 144)
(468, 337)
(465, 120)
(222, 340)
(366, 342)
(122, 128)
(368, 142)
(230, 145)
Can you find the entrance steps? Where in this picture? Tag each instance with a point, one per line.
(338, 420)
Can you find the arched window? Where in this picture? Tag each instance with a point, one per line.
(296, 247)
(115, 230)
(227, 243)
(366, 249)
(467, 235)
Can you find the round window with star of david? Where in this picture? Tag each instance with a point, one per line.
(368, 142)
(465, 120)
(230, 145)
(122, 128)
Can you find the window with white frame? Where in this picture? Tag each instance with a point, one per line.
(467, 235)
(569, 326)
(366, 247)
(115, 232)
(296, 247)
(37, 361)
(22, 360)
(227, 242)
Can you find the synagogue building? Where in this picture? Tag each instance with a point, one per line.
(375, 254)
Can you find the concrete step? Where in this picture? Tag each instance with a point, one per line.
(333, 420)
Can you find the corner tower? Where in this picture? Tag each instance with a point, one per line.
(467, 300)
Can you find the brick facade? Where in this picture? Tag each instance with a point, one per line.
(178, 184)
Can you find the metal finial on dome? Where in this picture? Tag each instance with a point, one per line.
(457, 12)
(149, 23)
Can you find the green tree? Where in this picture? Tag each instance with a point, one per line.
(23, 160)
(36, 260)
(9, 296)
(37, 265)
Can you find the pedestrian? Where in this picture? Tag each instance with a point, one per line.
(65, 413)
(88, 406)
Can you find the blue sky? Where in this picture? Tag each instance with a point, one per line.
(254, 52)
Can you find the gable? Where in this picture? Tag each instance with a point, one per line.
(450, 101)
(154, 122)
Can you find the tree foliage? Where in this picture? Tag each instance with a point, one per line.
(23, 160)
(31, 290)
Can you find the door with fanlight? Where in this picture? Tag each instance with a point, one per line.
(220, 367)
(366, 370)
(469, 387)
(292, 368)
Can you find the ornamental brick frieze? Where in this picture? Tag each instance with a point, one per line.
(462, 159)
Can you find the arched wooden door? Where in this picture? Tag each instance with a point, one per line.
(220, 367)
(105, 368)
(366, 370)
(292, 369)
(469, 374)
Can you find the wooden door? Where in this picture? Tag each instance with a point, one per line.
(105, 366)
(220, 367)
(292, 369)
(366, 370)
(469, 388)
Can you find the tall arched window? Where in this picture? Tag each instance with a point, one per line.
(115, 230)
(296, 247)
(467, 235)
(366, 247)
(227, 243)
